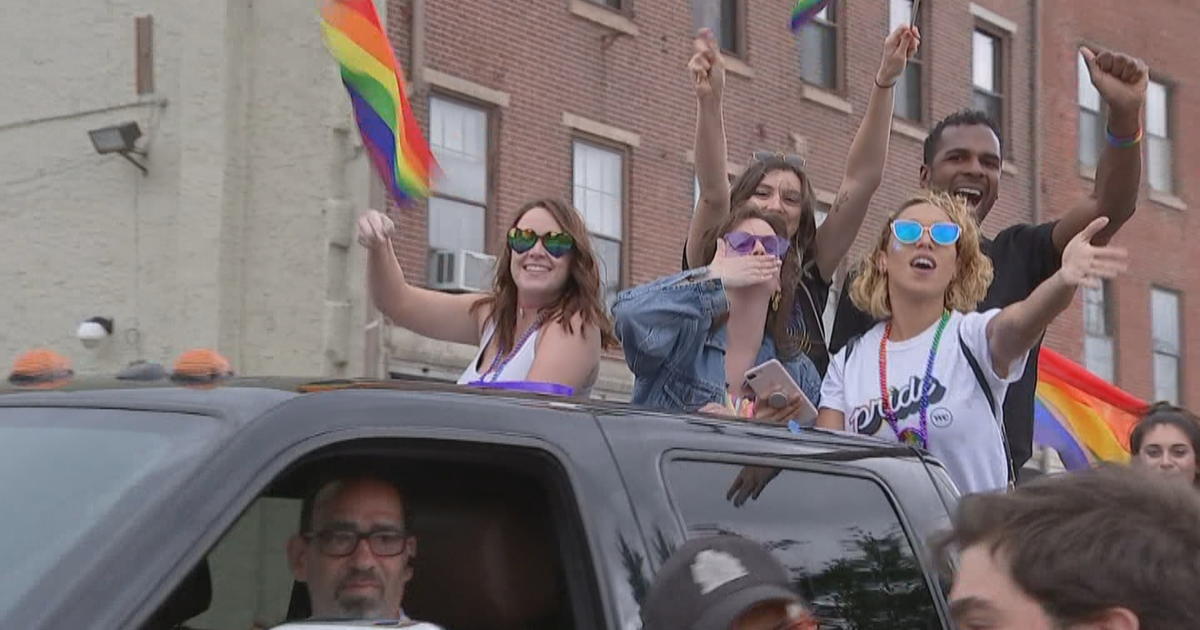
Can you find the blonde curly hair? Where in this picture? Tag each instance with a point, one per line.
(971, 280)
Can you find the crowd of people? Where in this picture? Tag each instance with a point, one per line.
(934, 344)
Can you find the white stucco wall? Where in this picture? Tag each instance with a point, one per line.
(239, 237)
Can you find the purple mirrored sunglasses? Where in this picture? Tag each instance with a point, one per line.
(743, 243)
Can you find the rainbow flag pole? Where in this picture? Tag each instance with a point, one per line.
(372, 76)
(1081, 416)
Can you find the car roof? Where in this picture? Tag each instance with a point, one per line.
(241, 399)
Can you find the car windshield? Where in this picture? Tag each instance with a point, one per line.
(63, 470)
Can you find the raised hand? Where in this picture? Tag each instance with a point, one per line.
(375, 229)
(1084, 264)
(743, 271)
(1120, 79)
(707, 66)
(899, 46)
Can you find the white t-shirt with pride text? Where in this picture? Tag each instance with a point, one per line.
(962, 431)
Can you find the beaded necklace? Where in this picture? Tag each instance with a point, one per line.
(500, 361)
(919, 437)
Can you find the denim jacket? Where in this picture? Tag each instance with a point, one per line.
(676, 355)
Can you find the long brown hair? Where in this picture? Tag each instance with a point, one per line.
(787, 340)
(580, 295)
(743, 187)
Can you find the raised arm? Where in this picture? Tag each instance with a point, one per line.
(868, 153)
(429, 313)
(707, 68)
(1121, 81)
(1015, 329)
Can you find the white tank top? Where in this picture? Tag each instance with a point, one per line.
(517, 367)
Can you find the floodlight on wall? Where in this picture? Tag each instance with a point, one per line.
(119, 139)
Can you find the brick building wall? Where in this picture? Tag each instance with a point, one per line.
(1160, 237)
(531, 63)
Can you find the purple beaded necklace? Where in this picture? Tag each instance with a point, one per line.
(500, 361)
(919, 437)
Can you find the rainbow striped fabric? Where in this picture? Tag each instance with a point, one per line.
(1081, 416)
(390, 132)
(804, 10)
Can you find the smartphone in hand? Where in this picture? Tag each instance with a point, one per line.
(773, 386)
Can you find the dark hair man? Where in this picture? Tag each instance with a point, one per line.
(963, 157)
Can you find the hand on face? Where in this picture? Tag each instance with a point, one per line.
(1084, 264)
(1120, 79)
(375, 230)
(707, 66)
(900, 46)
(737, 272)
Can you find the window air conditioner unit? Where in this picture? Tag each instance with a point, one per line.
(460, 270)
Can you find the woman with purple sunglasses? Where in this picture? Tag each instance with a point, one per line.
(689, 338)
(779, 184)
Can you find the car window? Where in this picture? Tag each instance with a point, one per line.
(491, 524)
(64, 470)
(839, 537)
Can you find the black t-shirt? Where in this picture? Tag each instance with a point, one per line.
(1023, 256)
(811, 295)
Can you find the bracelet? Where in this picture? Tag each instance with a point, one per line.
(885, 87)
(1122, 142)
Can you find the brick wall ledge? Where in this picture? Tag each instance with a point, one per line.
(1168, 200)
(603, 16)
(908, 130)
(828, 99)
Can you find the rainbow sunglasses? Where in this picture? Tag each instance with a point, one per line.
(743, 243)
(908, 231)
(557, 244)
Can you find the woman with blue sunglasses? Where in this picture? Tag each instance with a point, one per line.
(931, 373)
(543, 324)
(689, 338)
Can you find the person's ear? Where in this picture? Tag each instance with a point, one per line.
(881, 263)
(923, 176)
(297, 562)
(1113, 619)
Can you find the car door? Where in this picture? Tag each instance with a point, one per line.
(437, 426)
(848, 522)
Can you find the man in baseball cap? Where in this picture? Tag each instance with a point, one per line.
(723, 583)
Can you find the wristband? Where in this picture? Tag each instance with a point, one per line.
(1122, 142)
(885, 87)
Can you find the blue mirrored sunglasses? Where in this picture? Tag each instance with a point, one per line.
(908, 231)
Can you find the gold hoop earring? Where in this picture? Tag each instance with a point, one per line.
(775, 300)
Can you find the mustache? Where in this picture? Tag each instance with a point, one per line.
(355, 575)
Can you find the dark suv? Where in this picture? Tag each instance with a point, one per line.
(152, 507)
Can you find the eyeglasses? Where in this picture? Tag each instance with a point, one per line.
(908, 232)
(791, 159)
(343, 542)
(557, 244)
(743, 243)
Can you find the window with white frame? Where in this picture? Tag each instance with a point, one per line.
(1098, 331)
(908, 87)
(458, 136)
(599, 194)
(1158, 138)
(724, 18)
(1166, 335)
(818, 49)
(1091, 118)
(987, 75)
(612, 4)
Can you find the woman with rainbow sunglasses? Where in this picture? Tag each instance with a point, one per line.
(543, 324)
(932, 374)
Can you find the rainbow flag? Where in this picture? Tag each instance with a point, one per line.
(1081, 416)
(372, 76)
(804, 11)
